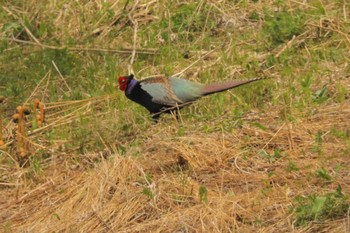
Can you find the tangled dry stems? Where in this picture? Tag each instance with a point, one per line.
(110, 197)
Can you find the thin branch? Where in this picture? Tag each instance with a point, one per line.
(273, 136)
(31, 34)
(287, 45)
(37, 87)
(240, 169)
(134, 22)
(192, 64)
(344, 11)
(107, 50)
(60, 74)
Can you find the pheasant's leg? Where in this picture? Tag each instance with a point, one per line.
(155, 117)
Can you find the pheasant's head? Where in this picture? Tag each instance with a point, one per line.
(124, 81)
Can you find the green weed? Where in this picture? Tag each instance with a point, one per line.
(341, 134)
(320, 95)
(35, 164)
(317, 146)
(271, 158)
(149, 178)
(281, 26)
(341, 93)
(203, 194)
(148, 192)
(318, 208)
(291, 166)
(323, 174)
(7, 227)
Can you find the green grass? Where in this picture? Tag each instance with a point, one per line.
(316, 208)
(280, 27)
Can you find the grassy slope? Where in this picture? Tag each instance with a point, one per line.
(272, 156)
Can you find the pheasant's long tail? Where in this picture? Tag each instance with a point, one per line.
(219, 87)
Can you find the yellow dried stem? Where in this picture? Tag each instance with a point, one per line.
(15, 119)
(42, 112)
(2, 144)
(1, 129)
(36, 103)
(19, 110)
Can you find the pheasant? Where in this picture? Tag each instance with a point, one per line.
(167, 95)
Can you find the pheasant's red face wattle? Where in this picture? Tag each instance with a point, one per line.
(123, 83)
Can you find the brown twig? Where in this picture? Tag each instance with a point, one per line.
(107, 50)
(134, 22)
(193, 63)
(36, 88)
(287, 45)
(60, 74)
(267, 143)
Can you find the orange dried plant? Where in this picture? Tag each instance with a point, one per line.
(18, 117)
(39, 112)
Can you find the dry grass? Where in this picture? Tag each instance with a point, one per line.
(242, 196)
(150, 178)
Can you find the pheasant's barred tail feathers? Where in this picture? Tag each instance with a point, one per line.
(219, 87)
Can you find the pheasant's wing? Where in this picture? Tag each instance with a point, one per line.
(160, 90)
(171, 91)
